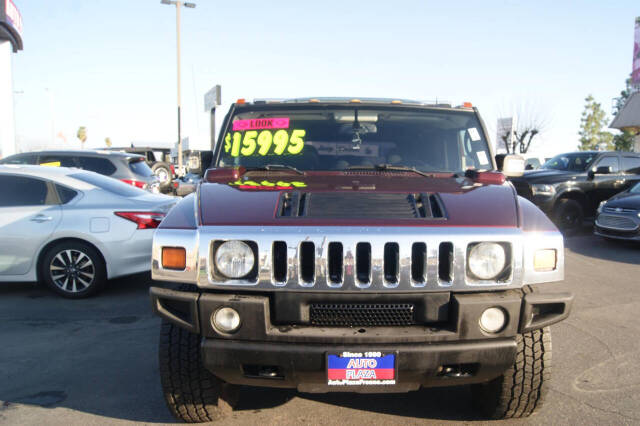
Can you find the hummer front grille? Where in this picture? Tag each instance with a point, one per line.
(357, 259)
(362, 314)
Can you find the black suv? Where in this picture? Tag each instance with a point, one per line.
(570, 186)
(129, 168)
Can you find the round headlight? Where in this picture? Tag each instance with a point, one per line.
(234, 259)
(493, 320)
(226, 320)
(487, 260)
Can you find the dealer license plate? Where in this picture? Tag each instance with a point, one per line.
(361, 369)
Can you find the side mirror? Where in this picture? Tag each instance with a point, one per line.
(601, 170)
(604, 170)
(512, 165)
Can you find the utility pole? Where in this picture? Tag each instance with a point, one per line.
(178, 5)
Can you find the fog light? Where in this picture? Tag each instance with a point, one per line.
(493, 320)
(544, 260)
(226, 320)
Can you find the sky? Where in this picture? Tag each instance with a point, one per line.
(111, 65)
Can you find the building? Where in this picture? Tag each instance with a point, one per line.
(629, 119)
(10, 43)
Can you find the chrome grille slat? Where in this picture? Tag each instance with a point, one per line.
(349, 237)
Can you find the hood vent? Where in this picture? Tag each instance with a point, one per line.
(343, 205)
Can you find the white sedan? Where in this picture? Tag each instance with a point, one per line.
(74, 229)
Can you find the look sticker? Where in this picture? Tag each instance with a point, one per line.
(261, 123)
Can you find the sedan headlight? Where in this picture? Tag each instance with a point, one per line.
(487, 260)
(542, 189)
(600, 206)
(234, 259)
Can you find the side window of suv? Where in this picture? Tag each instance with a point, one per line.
(99, 165)
(20, 159)
(56, 161)
(631, 165)
(611, 162)
(19, 191)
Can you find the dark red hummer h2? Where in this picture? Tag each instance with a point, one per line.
(355, 246)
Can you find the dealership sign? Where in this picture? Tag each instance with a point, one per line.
(10, 24)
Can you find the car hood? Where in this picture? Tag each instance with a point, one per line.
(546, 176)
(356, 199)
(625, 200)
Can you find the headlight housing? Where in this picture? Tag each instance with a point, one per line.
(601, 205)
(487, 261)
(542, 189)
(234, 259)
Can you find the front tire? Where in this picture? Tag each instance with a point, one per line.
(521, 389)
(191, 392)
(73, 269)
(568, 215)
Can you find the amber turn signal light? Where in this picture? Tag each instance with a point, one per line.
(174, 258)
(544, 260)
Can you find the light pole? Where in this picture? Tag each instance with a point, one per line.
(178, 5)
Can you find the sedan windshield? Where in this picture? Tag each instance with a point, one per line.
(578, 162)
(635, 189)
(322, 138)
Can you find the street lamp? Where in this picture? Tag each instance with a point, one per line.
(178, 5)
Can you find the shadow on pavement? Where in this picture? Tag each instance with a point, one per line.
(586, 244)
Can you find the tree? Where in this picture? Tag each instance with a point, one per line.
(592, 124)
(530, 123)
(82, 135)
(624, 140)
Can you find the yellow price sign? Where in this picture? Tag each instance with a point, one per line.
(264, 142)
(267, 184)
(51, 164)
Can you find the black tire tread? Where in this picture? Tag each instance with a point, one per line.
(191, 392)
(521, 390)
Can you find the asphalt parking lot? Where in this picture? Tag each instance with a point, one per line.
(94, 361)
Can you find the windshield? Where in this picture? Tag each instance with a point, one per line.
(578, 162)
(341, 138)
(140, 167)
(635, 189)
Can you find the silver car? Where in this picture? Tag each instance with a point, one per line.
(74, 229)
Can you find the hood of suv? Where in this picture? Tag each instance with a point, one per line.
(547, 176)
(357, 199)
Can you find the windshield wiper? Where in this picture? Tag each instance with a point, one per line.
(270, 167)
(390, 168)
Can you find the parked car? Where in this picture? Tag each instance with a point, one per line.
(159, 160)
(186, 184)
(533, 161)
(619, 216)
(195, 161)
(355, 246)
(129, 168)
(569, 187)
(73, 229)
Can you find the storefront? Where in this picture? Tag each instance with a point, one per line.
(10, 43)
(628, 119)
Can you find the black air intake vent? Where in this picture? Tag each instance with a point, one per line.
(366, 205)
(362, 314)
